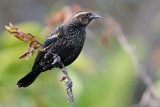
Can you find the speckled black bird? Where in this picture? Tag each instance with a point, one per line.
(66, 41)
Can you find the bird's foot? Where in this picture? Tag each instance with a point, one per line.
(56, 59)
(51, 60)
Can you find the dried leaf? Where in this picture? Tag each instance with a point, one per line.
(63, 15)
(33, 44)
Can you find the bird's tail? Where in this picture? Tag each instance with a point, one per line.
(28, 79)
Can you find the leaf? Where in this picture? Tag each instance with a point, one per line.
(33, 44)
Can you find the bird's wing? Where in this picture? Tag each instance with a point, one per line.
(52, 38)
(54, 35)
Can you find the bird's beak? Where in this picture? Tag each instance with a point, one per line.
(95, 16)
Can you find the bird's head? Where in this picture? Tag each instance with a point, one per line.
(83, 18)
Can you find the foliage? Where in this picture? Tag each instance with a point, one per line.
(33, 44)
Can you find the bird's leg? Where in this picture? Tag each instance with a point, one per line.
(50, 60)
(56, 59)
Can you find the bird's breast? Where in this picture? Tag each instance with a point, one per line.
(75, 35)
(73, 46)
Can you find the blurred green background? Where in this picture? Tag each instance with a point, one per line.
(103, 76)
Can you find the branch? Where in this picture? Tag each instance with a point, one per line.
(68, 85)
(64, 77)
(33, 44)
(140, 69)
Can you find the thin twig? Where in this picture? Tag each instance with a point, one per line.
(140, 69)
(68, 85)
(64, 77)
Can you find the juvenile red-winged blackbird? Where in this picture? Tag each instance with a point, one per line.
(66, 41)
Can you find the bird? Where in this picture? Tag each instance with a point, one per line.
(65, 41)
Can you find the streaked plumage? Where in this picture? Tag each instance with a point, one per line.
(66, 41)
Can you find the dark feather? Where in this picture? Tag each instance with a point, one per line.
(66, 41)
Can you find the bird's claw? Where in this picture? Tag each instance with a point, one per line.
(56, 59)
(49, 56)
